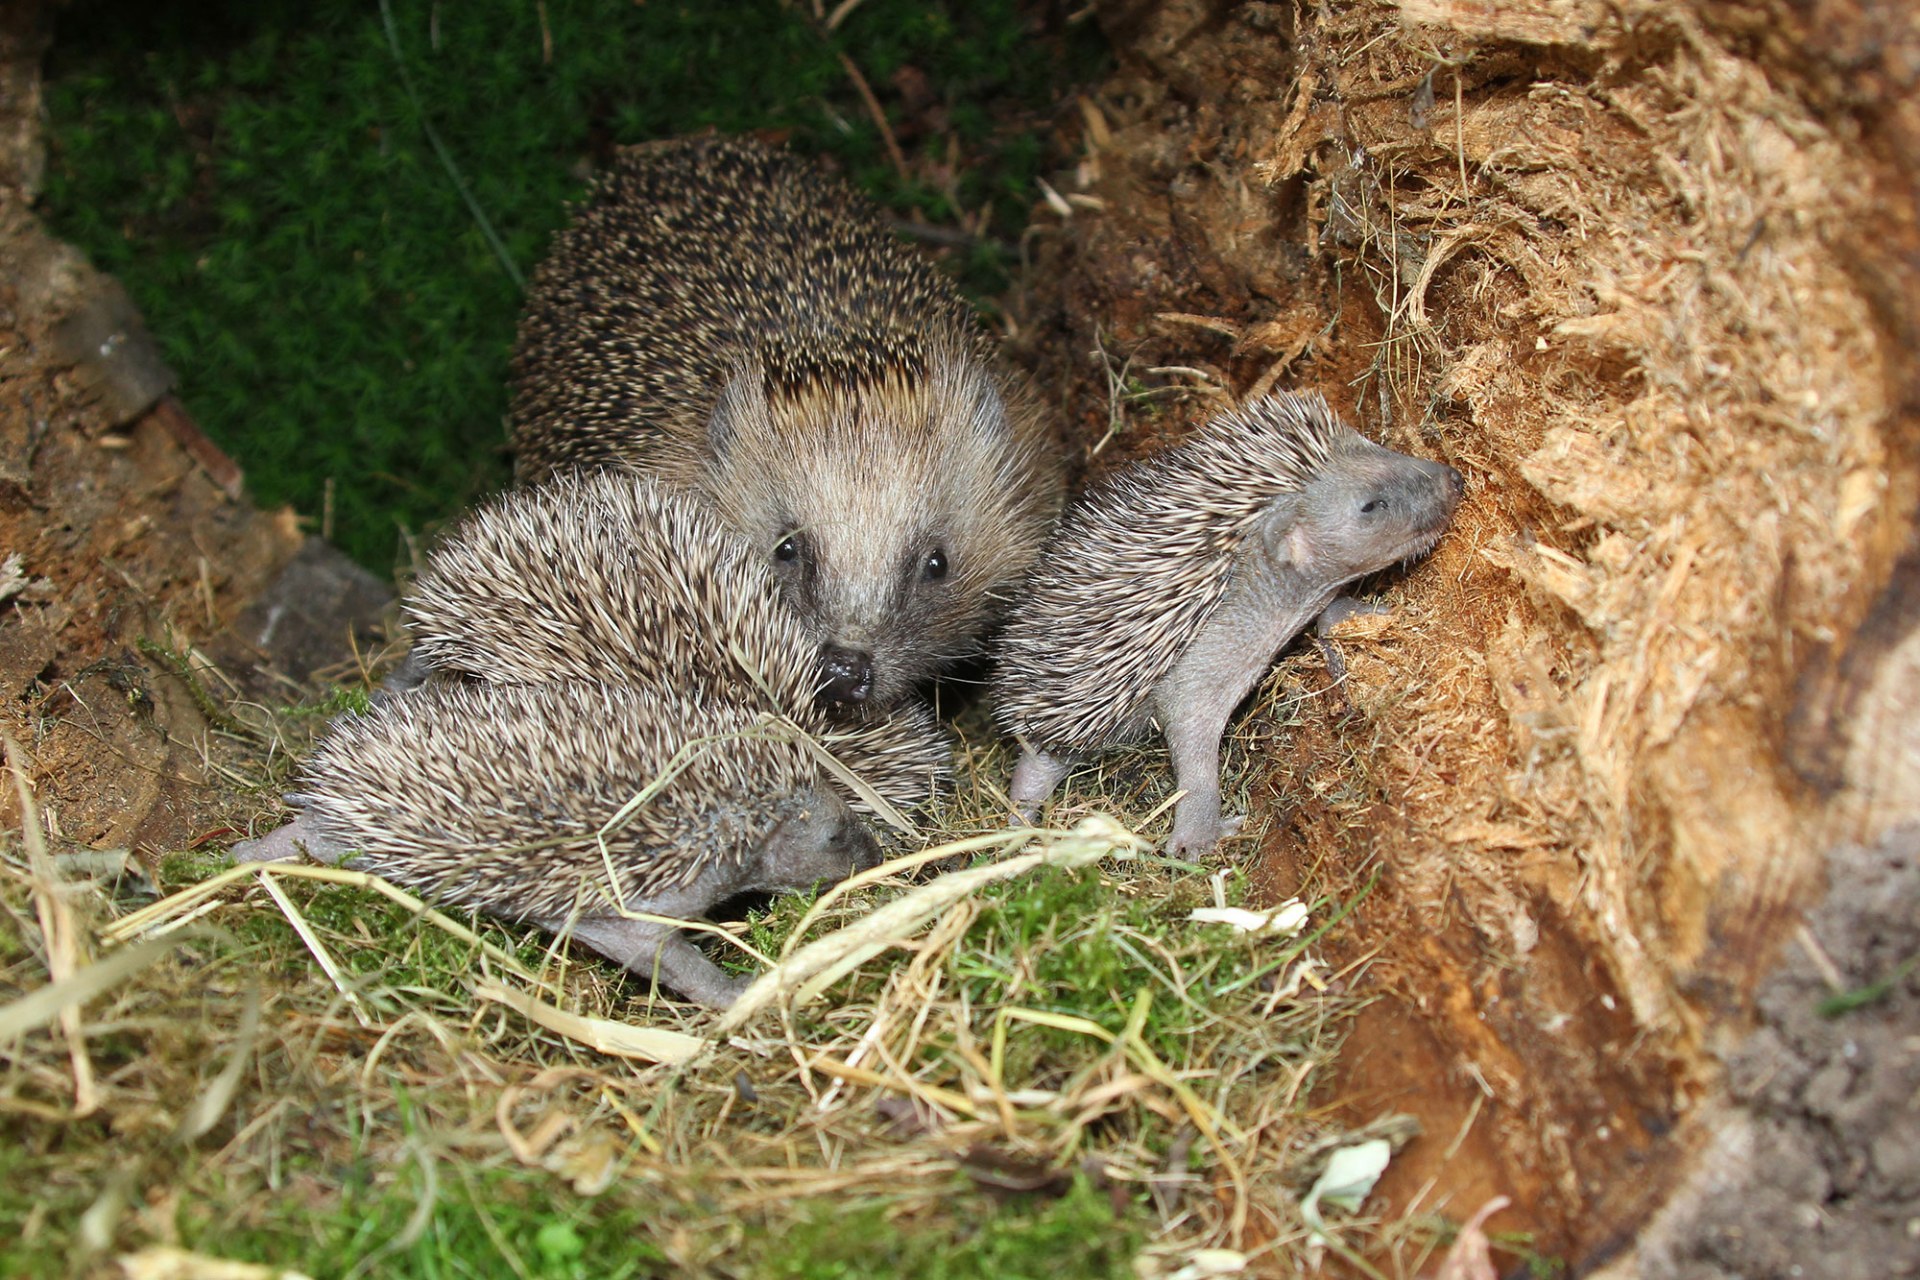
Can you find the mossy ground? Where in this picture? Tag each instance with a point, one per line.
(325, 210)
(1062, 1072)
(1058, 1074)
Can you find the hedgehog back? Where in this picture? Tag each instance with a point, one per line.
(620, 578)
(497, 797)
(688, 255)
(608, 576)
(1139, 564)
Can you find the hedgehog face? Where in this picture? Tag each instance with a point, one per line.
(889, 512)
(819, 840)
(1369, 508)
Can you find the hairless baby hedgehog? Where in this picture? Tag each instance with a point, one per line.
(576, 806)
(613, 576)
(1170, 589)
(726, 316)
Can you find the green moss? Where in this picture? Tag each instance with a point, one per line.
(488, 1222)
(500, 1221)
(261, 177)
(480, 1221)
(351, 1129)
(1068, 943)
(1031, 1239)
(384, 946)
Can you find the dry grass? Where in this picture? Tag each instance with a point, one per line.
(1033, 1057)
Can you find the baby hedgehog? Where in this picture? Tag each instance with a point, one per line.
(617, 577)
(1171, 588)
(726, 316)
(520, 801)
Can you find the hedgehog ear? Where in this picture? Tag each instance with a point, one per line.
(999, 419)
(990, 408)
(727, 421)
(1279, 531)
(742, 411)
(959, 390)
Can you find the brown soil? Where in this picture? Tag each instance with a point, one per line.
(144, 595)
(127, 550)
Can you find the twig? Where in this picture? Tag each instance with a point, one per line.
(806, 971)
(176, 664)
(319, 949)
(873, 109)
(840, 13)
(446, 159)
(1460, 133)
(57, 926)
(159, 916)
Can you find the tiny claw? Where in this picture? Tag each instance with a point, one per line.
(1199, 841)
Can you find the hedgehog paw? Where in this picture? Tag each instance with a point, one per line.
(1035, 778)
(287, 844)
(1194, 837)
(1197, 830)
(1344, 607)
(653, 950)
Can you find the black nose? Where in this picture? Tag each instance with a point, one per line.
(1456, 483)
(846, 674)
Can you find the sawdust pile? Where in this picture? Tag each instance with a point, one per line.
(1628, 267)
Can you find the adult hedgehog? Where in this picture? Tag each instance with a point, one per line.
(726, 316)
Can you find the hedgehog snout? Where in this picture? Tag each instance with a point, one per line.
(1433, 499)
(846, 674)
(1436, 491)
(823, 841)
(856, 840)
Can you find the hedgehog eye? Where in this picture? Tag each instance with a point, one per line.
(936, 567)
(788, 551)
(1372, 505)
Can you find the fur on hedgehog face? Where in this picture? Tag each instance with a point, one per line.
(886, 509)
(1369, 508)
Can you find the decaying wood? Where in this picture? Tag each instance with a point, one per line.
(1643, 271)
